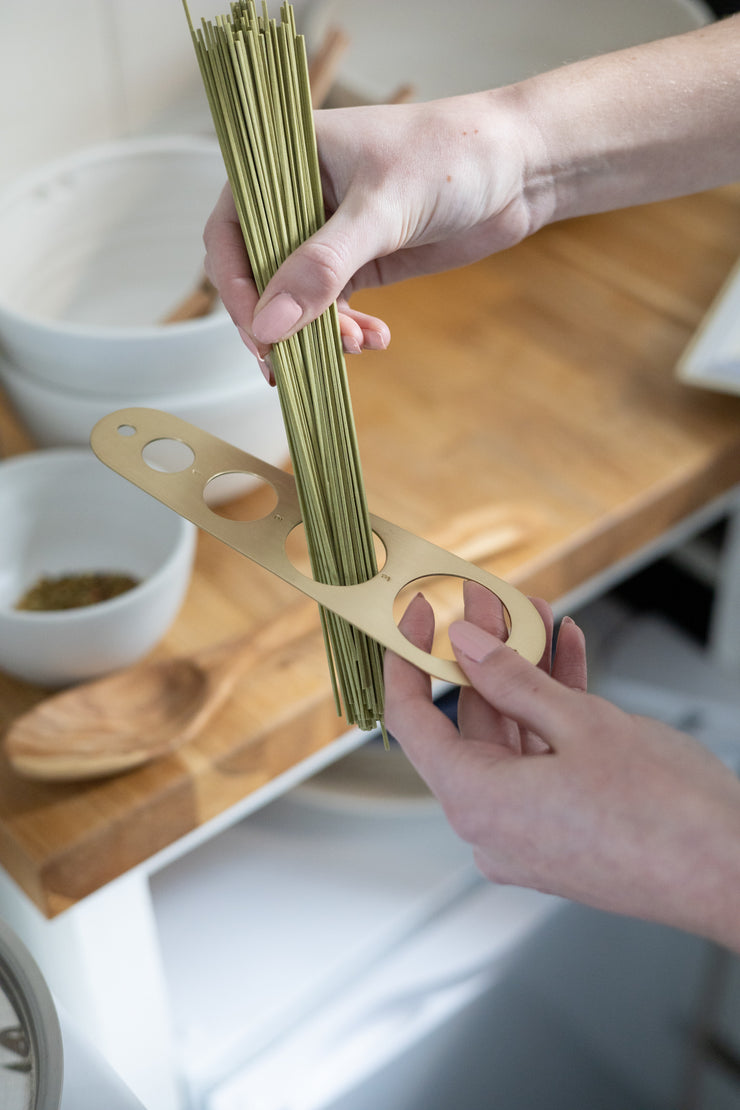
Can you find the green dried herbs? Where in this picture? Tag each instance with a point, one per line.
(73, 591)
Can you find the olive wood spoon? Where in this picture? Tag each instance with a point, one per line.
(146, 711)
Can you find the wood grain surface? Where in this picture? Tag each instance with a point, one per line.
(527, 410)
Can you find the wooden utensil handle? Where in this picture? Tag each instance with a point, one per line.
(324, 64)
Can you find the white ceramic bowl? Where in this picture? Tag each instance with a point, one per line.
(244, 412)
(97, 248)
(64, 512)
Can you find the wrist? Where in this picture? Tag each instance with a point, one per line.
(521, 188)
(633, 126)
(695, 885)
(715, 901)
(540, 188)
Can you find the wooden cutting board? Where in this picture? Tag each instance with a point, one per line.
(527, 413)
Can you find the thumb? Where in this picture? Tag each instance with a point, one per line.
(313, 276)
(514, 686)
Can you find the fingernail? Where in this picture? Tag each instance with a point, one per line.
(267, 372)
(351, 346)
(472, 641)
(263, 361)
(375, 340)
(276, 319)
(248, 342)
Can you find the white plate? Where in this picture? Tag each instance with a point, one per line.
(712, 358)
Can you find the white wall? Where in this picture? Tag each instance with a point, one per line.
(86, 71)
(82, 72)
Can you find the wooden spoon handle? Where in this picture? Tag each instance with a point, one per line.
(226, 661)
(483, 534)
(324, 64)
(199, 302)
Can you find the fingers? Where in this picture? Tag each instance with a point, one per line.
(484, 609)
(226, 262)
(569, 666)
(518, 704)
(410, 713)
(476, 717)
(513, 686)
(314, 276)
(545, 613)
(361, 332)
(228, 268)
(532, 744)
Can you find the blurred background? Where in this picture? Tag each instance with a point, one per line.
(92, 70)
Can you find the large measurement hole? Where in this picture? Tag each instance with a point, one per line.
(445, 595)
(296, 548)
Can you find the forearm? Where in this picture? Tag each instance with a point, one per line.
(418, 188)
(638, 125)
(709, 903)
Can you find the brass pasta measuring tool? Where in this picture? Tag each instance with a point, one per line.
(120, 439)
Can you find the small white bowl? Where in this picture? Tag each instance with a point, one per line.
(97, 248)
(64, 512)
(245, 412)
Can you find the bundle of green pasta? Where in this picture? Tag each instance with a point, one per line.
(256, 77)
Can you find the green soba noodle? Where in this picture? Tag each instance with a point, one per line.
(256, 78)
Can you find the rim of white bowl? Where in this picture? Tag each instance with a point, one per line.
(18, 190)
(209, 391)
(183, 543)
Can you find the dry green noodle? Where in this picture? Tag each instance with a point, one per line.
(256, 78)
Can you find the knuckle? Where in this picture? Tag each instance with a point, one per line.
(211, 228)
(327, 265)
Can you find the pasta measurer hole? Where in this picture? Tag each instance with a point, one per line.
(444, 592)
(296, 548)
(240, 495)
(169, 456)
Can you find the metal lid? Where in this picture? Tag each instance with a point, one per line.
(31, 1058)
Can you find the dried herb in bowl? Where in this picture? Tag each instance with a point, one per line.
(73, 591)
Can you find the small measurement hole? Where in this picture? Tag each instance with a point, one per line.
(239, 495)
(168, 456)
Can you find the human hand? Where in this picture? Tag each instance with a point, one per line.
(417, 188)
(408, 189)
(559, 790)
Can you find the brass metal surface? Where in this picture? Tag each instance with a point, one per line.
(119, 440)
